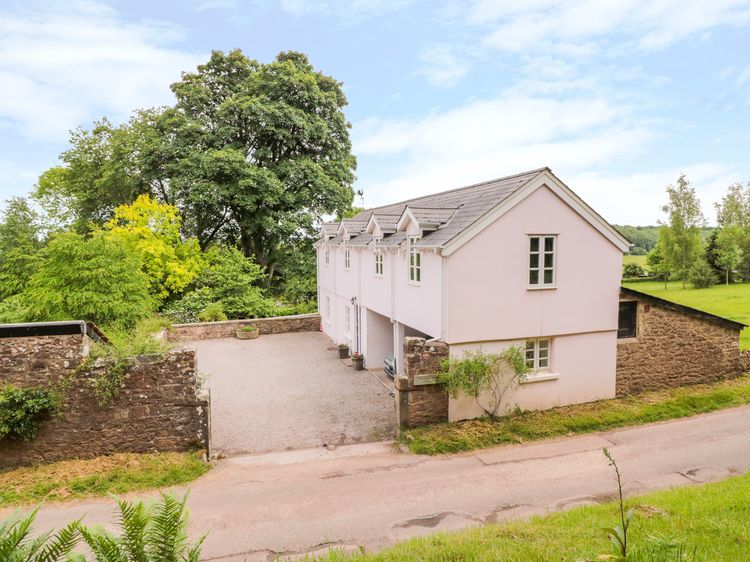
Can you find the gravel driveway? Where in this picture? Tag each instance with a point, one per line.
(289, 391)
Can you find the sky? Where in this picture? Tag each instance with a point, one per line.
(617, 97)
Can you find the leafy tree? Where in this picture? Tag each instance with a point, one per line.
(701, 276)
(680, 236)
(257, 153)
(96, 278)
(734, 207)
(153, 230)
(19, 246)
(105, 167)
(729, 252)
(658, 265)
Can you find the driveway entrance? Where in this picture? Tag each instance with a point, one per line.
(289, 391)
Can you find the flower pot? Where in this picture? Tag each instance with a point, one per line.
(247, 335)
(343, 351)
(358, 363)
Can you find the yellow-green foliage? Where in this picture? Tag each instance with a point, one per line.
(153, 229)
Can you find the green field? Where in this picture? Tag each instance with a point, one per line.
(640, 260)
(730, 301)
(710, 523)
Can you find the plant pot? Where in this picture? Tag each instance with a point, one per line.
(247, 335)
(358, 363)
(343, 352)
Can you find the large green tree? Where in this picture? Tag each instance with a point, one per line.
(20, 244)
(733, 212)
(258, 152)
(680, 236)
(88, 278)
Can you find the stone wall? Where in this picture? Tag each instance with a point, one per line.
(157, 408)
(227, 328)
(674, 348)
(745, 360)
(420, 399)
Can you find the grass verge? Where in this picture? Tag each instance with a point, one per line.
(115, 474)
(711, 522)
(582, 418)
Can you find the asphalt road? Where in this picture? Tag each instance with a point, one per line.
(260, 507)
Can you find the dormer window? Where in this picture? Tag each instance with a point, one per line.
(347, 259)
(415, 261)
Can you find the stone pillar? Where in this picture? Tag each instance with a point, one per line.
(421, 399)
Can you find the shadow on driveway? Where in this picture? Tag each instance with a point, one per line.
(289, 391)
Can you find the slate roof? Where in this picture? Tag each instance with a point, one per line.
(464, 205)
(432, 216)
(330, 228)
(387, 221)
(361, 240)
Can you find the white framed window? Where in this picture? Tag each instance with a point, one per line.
(415, 261)
(328, 256)
(538, 354)
(542, 260)
(347, 259)
(378, 264)
(328, 308)
(347, 319)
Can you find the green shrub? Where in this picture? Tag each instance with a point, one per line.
(17, 545)
(214, 312)
(230, 279)
(633, 270)
(701, 275)
(12, 310)
(22, 408)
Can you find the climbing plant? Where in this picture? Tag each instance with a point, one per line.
(485, 377)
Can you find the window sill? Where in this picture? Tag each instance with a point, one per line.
(627, 340)
(415, 283)
(540, 377)
(541, 288)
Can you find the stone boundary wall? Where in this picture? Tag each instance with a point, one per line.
(745, 360)
(157, 409)
(674, 348)
(420, 399)
(227, 328)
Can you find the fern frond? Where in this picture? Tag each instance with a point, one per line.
(61, 544)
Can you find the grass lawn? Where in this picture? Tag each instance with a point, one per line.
(730, 301)
(640, 260)
(116, 474)
(711, 522)
(582, 418)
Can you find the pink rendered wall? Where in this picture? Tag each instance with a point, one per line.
(487, 294)
(376, 291)
(584, 366)
(418, 306)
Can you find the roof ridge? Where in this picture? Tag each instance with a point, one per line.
(455, 189)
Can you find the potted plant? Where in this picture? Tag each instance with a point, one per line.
(343, 350)
(247, 333)
(358, 361)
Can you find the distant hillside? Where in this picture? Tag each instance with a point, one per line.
(644, 237)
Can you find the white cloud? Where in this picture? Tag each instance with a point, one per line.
(637, 198)
(586, 140)
(62, 65)
(443, 66)
(490, 138)
(346, 10)
(521, 25)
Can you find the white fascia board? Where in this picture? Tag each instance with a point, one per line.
(371, 224)
(548, 179)
(407, 215)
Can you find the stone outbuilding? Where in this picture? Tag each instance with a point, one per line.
(662, 344)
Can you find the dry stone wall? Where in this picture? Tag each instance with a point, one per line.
(227, 328)
(157, 409)
(674, 348)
